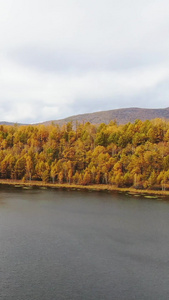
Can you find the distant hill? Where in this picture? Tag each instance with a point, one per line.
(122, 116)
(10, 123)
(6, 123)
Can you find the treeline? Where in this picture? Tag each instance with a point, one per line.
(123, 155)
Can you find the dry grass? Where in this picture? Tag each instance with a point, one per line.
(95, 187)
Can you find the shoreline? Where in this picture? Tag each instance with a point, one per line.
(94, 187)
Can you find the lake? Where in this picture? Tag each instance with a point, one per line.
(76, 245)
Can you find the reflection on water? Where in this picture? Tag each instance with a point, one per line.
(79, 245)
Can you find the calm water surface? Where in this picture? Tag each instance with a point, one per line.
(80, 245)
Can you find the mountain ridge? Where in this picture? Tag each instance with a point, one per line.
(120, 115)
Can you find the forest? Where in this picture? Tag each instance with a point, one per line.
(131, 155)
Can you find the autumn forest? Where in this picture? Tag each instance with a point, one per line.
(122, 155)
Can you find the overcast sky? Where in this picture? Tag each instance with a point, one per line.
(64, 57)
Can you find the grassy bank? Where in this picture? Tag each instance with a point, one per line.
(96, 187)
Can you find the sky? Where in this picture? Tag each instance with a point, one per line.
(65, 57)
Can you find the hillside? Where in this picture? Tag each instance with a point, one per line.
(118, 155)
(122, 116)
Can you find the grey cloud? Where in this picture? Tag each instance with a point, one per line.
(60, 58)
(52, 60)
(151, 98)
